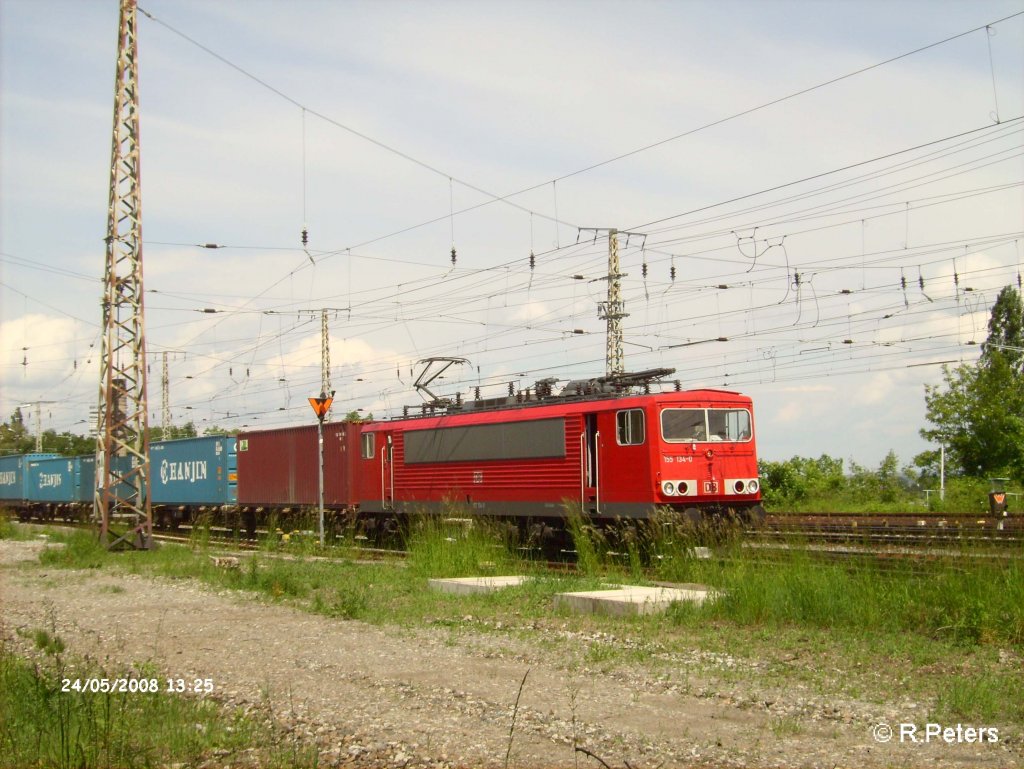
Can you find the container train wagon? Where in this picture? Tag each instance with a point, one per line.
(188, 476)
(613, 456)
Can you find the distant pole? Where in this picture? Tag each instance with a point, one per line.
(325, 355)
(39, 422)
(942, 473)
(165, 386)
(39, 427)
(320, 481)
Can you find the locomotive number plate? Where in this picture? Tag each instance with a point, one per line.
(710, 487)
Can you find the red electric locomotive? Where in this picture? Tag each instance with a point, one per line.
(615, 455)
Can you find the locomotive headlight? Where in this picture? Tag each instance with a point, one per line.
(669, 488)
(683, 487)
(753, 486)
(739, 486)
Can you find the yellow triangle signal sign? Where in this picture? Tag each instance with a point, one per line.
(321, 406)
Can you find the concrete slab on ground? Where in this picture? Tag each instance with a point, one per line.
(630, 599)
(470, 585)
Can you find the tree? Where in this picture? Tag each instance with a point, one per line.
(217, 430)
(1005, 332)
(978, 415)
(799, 479)
(14, 436)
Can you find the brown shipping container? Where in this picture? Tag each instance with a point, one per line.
(278, 468)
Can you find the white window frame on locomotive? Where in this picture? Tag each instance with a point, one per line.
(749, 432)
(368, 445)
(627, 423)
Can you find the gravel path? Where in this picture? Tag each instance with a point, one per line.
(425, 697)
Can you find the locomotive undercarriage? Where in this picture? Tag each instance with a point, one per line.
(548, 535)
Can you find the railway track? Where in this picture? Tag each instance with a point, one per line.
(918, 530)
(889, 540)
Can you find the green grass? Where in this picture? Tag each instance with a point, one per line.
(859, 629)
(45, 723)
(966, 600)
(457, 545)
(9, 529)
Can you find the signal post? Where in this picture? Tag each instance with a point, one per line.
(321, 406)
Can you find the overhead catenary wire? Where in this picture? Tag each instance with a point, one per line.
(428, 305)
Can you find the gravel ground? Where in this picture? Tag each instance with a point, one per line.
(428, 697)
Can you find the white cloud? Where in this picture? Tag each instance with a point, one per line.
(506, 97)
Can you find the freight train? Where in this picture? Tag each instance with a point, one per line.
(610, 453)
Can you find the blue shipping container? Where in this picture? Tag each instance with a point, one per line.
(194, 471)
(13, 480)
(52, 480)
(86, 478)
(122, 466)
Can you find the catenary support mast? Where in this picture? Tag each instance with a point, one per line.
(325, 354)
(615, 360)
(122, 499)
(165, 400)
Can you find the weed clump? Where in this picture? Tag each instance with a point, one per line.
(456, 544)
(54, 713)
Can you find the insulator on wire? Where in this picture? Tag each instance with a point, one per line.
(305, 236)
(643, 269)
(476, 393)
(533, 261)
(672, 273)
(453, 255)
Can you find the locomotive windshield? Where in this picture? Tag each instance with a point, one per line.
(704, 425)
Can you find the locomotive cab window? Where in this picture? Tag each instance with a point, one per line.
(705, 425)
(629, 427)
(683, 425)
(368, 445)
(729, 424)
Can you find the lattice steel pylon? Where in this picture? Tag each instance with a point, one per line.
(165, 400)
(122, 497)
(613, 310)
(325, 356)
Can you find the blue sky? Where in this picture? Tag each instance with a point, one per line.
(504, 97)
